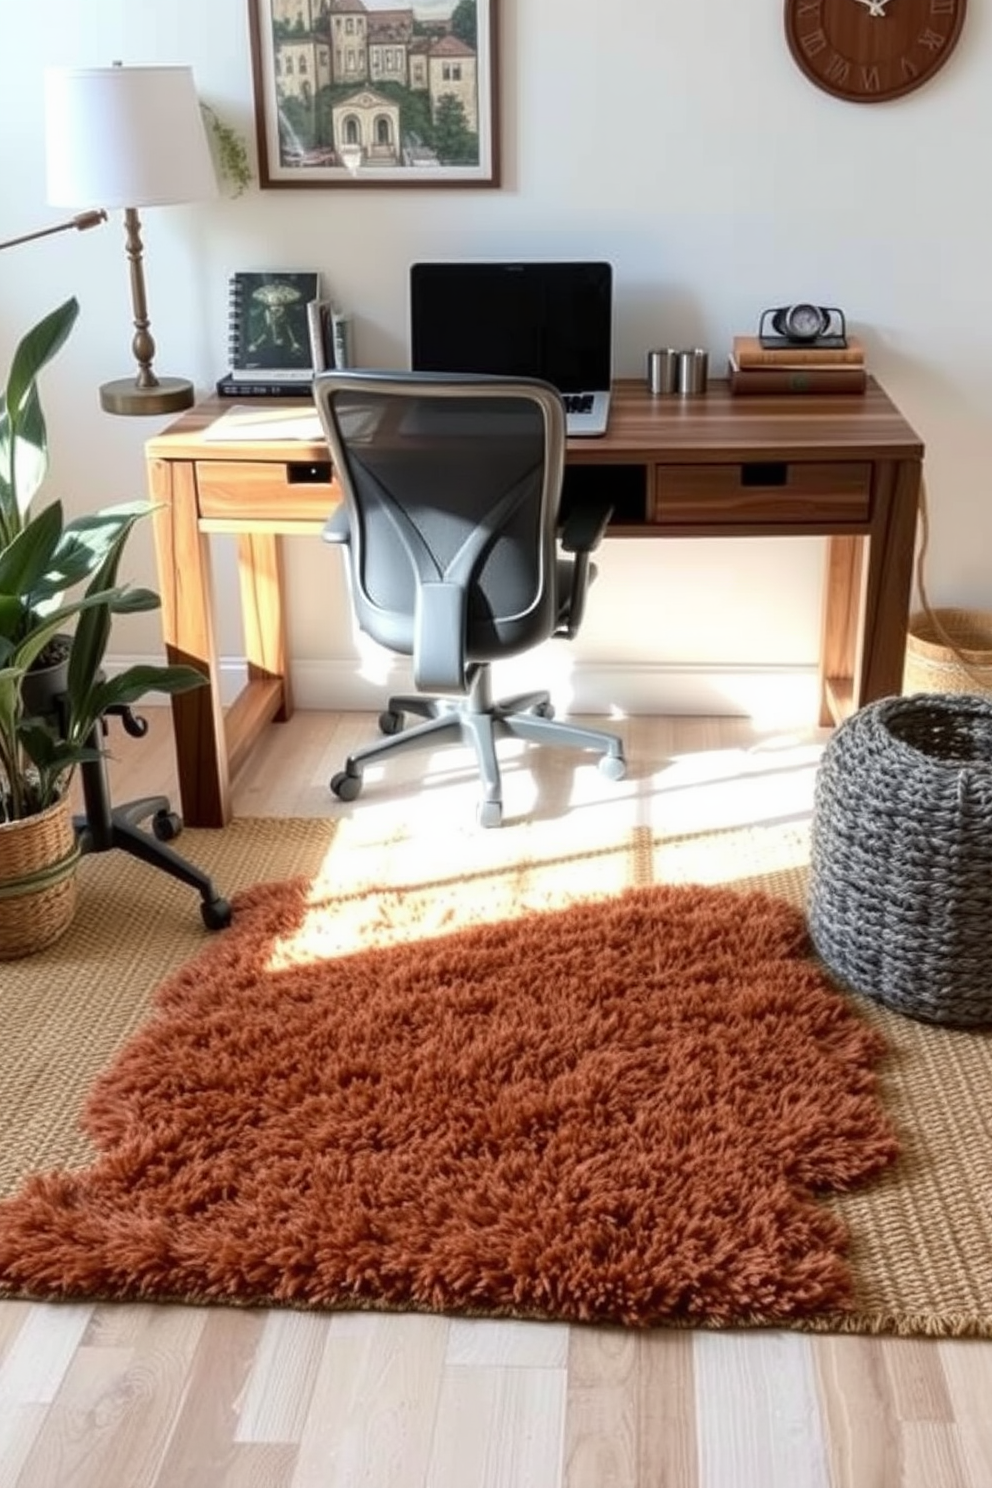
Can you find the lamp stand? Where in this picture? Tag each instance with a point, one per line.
(144, 393)
(80, 222)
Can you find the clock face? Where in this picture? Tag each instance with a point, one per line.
(804, 322)
(867, 51)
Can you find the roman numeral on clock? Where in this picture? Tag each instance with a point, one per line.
(838, 69)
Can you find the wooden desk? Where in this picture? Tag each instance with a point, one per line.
(845, 467)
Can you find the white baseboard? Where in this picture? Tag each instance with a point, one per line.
(776, 695)
(783, 694)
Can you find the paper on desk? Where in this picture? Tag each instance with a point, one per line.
(241, 422)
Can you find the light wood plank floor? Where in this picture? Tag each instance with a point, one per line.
(173, 1397)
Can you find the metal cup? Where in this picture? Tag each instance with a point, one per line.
(663, 370)
(693, 371)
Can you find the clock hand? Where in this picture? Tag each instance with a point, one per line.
(875, 7)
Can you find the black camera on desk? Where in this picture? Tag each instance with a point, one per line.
(802, 324)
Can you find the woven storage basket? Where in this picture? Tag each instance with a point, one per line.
(38, 861)
(900, 894)
(949, 651)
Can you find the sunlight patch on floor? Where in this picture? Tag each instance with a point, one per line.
(409, 859)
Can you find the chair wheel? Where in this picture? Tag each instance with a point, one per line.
(216, 914)
(346, 787)
(166, 825)
(544, 710)
(613, 766)
(490, 813)
(390, 721)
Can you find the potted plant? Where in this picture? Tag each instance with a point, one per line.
(59, 591)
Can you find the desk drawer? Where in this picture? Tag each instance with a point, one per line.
(763, 491)
(246, 490)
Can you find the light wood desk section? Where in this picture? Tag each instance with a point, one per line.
(844, 467)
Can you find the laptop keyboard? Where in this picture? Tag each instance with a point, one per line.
(577, 402)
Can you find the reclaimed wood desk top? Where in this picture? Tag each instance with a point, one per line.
(716, 426)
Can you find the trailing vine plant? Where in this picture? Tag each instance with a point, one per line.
(230, 152)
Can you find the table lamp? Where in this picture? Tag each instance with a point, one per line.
(129, 137)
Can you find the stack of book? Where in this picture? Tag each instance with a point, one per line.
(754, 368)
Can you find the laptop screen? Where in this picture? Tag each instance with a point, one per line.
(549, 320)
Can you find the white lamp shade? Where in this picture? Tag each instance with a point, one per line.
(125, 137)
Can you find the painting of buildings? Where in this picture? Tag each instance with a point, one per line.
(362, 89)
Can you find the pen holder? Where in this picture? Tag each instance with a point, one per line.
(693, 371)
(663, 370)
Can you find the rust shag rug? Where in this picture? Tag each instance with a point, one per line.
(622, 1111)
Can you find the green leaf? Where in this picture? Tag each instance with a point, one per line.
(48, 751)
(85, 544)
(34, 351)
(114, 516)
(35, 642)
(132, 684)
(135, 601)
(10, 712)
(93, 630)
(23, 435)
(25, 560)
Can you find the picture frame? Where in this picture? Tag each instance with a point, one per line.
(375, 93)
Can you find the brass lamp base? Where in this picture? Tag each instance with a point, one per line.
(170, 395)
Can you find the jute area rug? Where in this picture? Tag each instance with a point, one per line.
(753, 1232)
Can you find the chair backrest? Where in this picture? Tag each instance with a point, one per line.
(452, 485)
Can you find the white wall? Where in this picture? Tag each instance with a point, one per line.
(679, 141)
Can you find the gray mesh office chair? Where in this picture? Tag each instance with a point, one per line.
(452, 487)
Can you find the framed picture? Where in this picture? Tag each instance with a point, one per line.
(375, 92)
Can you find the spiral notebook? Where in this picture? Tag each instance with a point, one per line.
(268, 331)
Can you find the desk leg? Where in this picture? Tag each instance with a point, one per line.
(186, 588)
(866, 608)
(266, 697)
(888, 589)
(260, 571)
(839, 644)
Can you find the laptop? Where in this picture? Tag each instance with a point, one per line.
(531, 319)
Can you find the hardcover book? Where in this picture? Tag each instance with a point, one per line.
(330, 336)
(749, 352)
(268, 334)
(229, 386)
(839, 378)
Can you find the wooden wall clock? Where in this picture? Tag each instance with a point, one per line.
(868, 51)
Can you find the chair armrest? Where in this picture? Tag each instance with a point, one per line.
(585, 527)
(582, 532)
(337, 528)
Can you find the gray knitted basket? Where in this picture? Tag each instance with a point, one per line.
(900, 893)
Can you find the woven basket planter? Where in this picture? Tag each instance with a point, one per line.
(949, 651)
(900, 896)
(38, 861)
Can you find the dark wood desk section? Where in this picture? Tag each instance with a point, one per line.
(844, 467)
